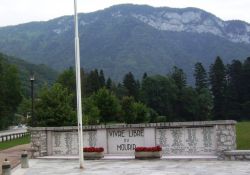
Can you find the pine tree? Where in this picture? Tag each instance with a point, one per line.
(217, 77)
(246, 89)
(102, 79)
(93, 82)
(179, 77)
(200, 74)
(246, 79)
(131, 85)
(234, 95)
(145, 75)
(109, 84)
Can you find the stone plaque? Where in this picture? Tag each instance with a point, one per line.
(66, 143)
(124, 140)
(187, 141)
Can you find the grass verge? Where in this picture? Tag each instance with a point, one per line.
(243, 135)
(12, 143)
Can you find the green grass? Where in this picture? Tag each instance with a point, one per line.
(12, 143)
(243, 135)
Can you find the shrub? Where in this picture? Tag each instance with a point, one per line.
(148, 149)
(93, 149)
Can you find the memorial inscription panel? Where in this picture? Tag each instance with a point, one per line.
(187, 141)
(66, 143)
(124, 140)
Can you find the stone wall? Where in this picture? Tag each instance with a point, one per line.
(39, 142)
(177, 138)
(241, 155)
(226, 139)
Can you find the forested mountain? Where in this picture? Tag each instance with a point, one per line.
(133, 38)
(43, 74)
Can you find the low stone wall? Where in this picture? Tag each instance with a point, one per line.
(176, 138)
(242, 155)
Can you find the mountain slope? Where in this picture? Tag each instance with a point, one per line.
(43, 74)
(133, 38)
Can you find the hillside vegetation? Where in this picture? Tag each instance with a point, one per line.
(43, 74)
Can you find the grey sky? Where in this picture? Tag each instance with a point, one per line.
(19, 11)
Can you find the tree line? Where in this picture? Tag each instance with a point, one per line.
(223, 92)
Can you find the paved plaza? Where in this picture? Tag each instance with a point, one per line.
(135, 167)
(13, 154)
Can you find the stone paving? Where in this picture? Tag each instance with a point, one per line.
(135, 167)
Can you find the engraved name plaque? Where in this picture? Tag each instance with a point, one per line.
(187, 141)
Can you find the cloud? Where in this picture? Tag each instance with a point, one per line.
(20, 11)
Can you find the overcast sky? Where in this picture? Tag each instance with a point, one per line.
(19, 11)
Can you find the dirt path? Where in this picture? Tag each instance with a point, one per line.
(13, 155)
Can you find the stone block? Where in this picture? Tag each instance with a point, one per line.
(247, 157)
(228, 143)
(225, 132)
(239, 157)
(223, 139)
(232, 158)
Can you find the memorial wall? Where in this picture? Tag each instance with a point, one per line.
(187, 141)
(184, 138)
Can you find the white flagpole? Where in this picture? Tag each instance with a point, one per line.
(78, 88)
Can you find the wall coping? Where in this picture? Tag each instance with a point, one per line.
(237, 152)
(141, 125)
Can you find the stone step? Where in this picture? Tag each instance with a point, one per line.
(132, 157)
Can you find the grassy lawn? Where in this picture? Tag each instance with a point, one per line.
(243, 135)
(12, 143)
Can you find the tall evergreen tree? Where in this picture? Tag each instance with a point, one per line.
(217, 77)
(102, 79)
(205, 105)
(145, 75)
(246, 79)
(120, 91)
(180, 104)
(246, 88)
(234, 95)
(93, 82)
(200, 75)
(109, 84)
(179, 77)
(131, 85)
